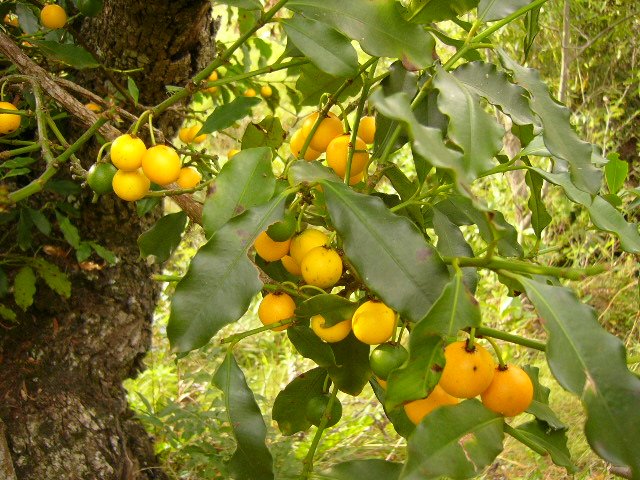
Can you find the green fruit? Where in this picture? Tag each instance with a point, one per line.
(90, 8)
(283, 230)
(316, 407)
(100, 177)
(387, 357)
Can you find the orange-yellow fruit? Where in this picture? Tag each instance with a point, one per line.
(53, 16)
(329, 128)
(189, 177)
(130, 186)
(332, 334)
(11, 19)
(296, 144)
(250, 92)
(127, 152)
(231, 153)
(302, 243)
(290, 265)
(9, 122)
(269, 249)
(419, 409)
(275, 307)
(322, 267)
(338, 154)
(510, 392)
(266, 91)
(94, 107)
(188, 134)
(466, 374)
(212, 78)
(161, 164)
(373, 322)
(357, 179)
(367, 129)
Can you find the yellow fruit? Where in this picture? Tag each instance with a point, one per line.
(290, 265)
(188, 134)
(161, 164)
(302, 243)
(53, 16)
(373, 322)
(130, 186)
(332, 334)
(510, 392)
(275, 307)
(357, 179)
(338, 154)
(212, 78)
(269, 249)
(329, 128)
(94, 107)
(189, 177)
(322, 267)
(296, 144)
(466, 374)
(127, 152)
(9, 122)
(11, 19)
(266, 91)
(231, 153)
(418, 409)
(367, 129)
(250, 92)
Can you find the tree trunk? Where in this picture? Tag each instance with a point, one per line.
(61, 398)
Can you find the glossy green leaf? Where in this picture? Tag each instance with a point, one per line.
(24, 287)
(486, 80)
(55, 279)
(408, 276)
(104, 253)
(591, 363)
(559, 136)
(540, 404)
(371, 469)
(351, 372)
(164, 237)
(313, 83)
(229, 113)
(221, 280)
(455, 441)
(428, 11)
(327, 48)
(491, 10)
(251, 459)
(378, 26)
(243, 182)
(406, 189)
(309, 345)
(29, 21)
(470, 127)
(334, 309)
(69, 231)
(40, 221)
(540, 217)
(615, 172)
(287, 407)
(68, 53)
(301, 171)
(133, 90)
(421, 373)
(397, 416)
(554, 442)
(451, 243)
(532, 27)
(266, 133)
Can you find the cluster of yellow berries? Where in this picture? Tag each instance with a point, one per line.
(329, 137)
(138, 167)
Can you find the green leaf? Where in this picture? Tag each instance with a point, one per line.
(454, 441)
(491, 10)
(408, 275)
(370, 468)
(554, 442)
(378, 26)
(591, 363)
(532, 27)
(267, 133)
(29, 21)
(397, 416)
(327, 48)
(288, 409)
(7, 313)
(602, 213)
(451, 243)
(540, 404)
(83, 252)
(221, 280)
(18, 162)
(428, 11)
(25, 225)
(40, 221)
(302, 171)
(104, 253)
(252, 459)
(24, 287)
(133, 90)
(615, 172)
(422, 372)
(69, 231)
(475, 131)
(351, 372)
(73, 55)
(164, 237)
(53, 277)
(313, 83)
(309, 345)
(559, 136)
(245, 181)
(486, 80)
(226, 115)
(540, 217)
(334, 309)
(4, 283)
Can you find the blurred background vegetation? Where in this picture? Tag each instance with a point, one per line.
(587, 51)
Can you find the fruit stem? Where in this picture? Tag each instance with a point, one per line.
(281, 287)
(151, 134)
(496, 348)
(313, 287)
(308, 460)
(235, 338)
(509, 337)
(101, 151)
(470, 342)
(166, 278)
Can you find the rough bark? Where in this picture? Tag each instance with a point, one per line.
(61, 396)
